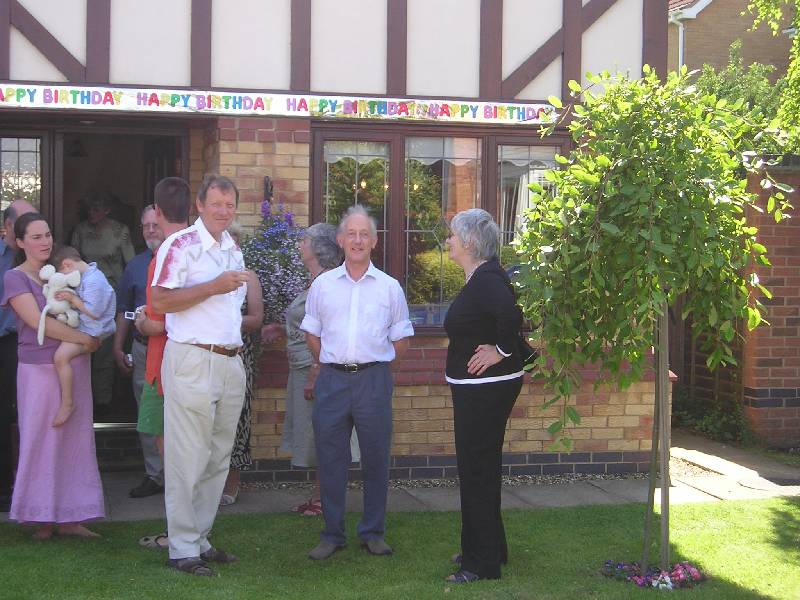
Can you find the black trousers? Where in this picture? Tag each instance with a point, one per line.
(480, 414)
(8, 408)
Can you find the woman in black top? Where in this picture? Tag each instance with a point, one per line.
(484, 370)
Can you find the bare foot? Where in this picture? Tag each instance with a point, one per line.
(64, 412)
(44, 532)
(77, 531)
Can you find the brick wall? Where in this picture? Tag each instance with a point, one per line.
(771, 355)
(613, 437)
(249, 148)
(709, 36)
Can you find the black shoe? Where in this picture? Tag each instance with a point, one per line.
(5, 502)
(148, 487)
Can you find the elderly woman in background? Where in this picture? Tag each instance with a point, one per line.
(484, 370)
(252, 319)
(319, 252)
(107, 242)
(58, 484)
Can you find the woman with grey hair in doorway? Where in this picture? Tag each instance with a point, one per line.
(319, 252)
(484, 369)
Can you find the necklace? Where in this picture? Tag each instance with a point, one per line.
(472, 272)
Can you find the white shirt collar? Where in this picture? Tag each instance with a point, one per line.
(207, 240)
(341, 271)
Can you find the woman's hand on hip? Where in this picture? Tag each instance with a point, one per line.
(485, 356)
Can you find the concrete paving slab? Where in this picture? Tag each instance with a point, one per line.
(729, 460)
(623, 490)
(265, 501)
(726, 488)
(567, 494)
(437, 499)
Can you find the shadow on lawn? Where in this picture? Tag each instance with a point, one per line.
(786, 528)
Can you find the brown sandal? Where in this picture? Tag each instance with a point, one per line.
(218, 556)
(192, 566)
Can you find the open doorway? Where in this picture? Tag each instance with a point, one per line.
(118, 171)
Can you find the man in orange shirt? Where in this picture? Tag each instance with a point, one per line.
(173, 200)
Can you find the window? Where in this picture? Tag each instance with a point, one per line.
(443, 177)
(358, 173)
(518, 167)
(413, 181)
(20, 170)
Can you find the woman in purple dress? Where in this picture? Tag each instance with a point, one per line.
(57, 487)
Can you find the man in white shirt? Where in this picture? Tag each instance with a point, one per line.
(199, 283)
(356, 324)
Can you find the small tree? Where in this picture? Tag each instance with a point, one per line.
(780, 15)
(749, 83)
(651, 203)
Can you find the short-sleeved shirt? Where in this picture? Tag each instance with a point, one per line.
(8, 320)
(109, 246)
(16, 283)
(155, 343)
(100, 300)
(357, 321)
(131, 292)
(191, 257)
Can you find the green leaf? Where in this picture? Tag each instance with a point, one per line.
(555, 427)
(573, 415)
(574, 85)
(610, 228)
(555, 101)
(712, 316)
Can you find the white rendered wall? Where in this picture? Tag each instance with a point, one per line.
(443, 47)
(251, 44)
(27, 63)
(348, 46)
(614, 42)
(65, 20)
(526, 26)
(151, 42)
(547, 83)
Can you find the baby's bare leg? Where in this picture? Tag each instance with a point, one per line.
(65, 352)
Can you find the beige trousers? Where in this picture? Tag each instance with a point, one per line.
(203, 396)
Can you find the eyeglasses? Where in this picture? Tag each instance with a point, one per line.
(149, 225)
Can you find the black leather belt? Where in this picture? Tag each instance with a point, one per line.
(352, 367)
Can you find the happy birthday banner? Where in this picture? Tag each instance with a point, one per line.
(236, 104)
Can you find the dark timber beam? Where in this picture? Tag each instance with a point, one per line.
(396, 47)
(201, 44)
(98, 40)
(573, 34)
(491, 49)
(537, 62)
(300, 76)
(654, 35)
(48, 45)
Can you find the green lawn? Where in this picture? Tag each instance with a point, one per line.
(750, 549)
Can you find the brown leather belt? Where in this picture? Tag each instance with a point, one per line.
(220, 349)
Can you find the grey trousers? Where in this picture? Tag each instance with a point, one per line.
(343, 400)
(153, 463)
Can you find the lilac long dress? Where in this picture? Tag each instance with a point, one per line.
(57, 477)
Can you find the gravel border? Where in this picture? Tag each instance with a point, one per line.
(678, 468)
